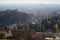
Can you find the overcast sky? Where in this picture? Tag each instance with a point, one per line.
(29, 1)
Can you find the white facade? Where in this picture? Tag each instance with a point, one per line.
(57, 38)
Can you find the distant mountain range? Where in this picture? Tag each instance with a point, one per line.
(37, 9)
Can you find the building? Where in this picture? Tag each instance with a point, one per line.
(57, 38)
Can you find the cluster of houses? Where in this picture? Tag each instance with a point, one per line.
(38, 26)
(36, 35)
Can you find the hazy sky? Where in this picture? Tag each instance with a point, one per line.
(29, 1)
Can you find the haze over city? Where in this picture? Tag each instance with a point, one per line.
(29, 19)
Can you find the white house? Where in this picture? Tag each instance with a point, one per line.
(57, 38)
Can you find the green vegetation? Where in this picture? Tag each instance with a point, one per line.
(12, 16)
